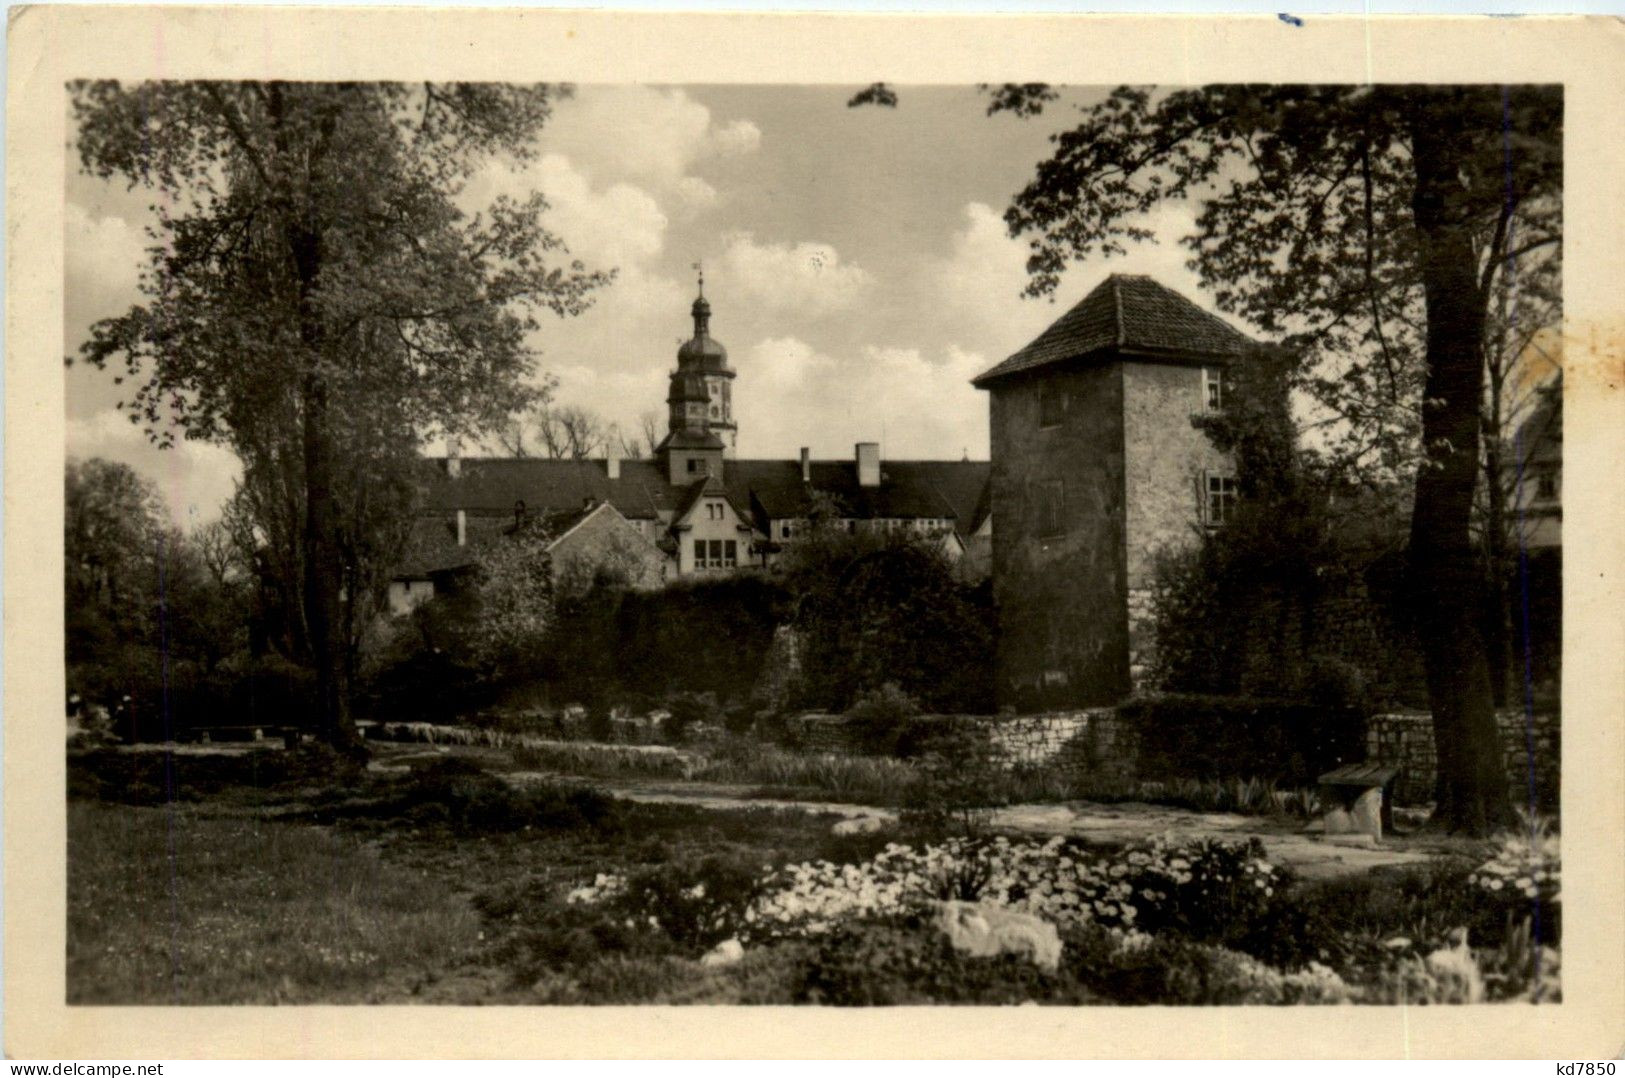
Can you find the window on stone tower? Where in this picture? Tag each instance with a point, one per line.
(1221, 499)
(1051, 407)
(1051, 496)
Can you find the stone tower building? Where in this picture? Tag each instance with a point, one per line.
(1097, 467)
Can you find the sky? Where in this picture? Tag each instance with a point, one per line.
(856, 262)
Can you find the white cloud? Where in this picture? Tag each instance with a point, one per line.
(653, 136)
(917, 405)
(194, 478)
(103, 259)
(974, 293)
(806, 278)
(737, 139)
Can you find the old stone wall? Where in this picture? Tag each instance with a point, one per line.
(1058, 556)
(1533, 747)
(1095, 739)
(1166, 459)
(1102, 742)
(781, 670)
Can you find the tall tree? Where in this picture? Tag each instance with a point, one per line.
(112, 525)
(555, 432)
(1368, 228)
(315, 283)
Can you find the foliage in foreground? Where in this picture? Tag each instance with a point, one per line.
(584, 900)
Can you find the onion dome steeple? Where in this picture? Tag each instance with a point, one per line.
(701, 352)
(700, 402)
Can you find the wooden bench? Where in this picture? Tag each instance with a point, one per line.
(1355, 800)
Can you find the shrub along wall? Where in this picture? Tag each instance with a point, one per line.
(1291, 742)
(706, 636)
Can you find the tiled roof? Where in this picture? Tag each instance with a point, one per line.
(909, 488)
(713, 486)
(494, 485)
(431, 546)
(1132, 313)
(432, 543)
(933, 489)
(684, 439)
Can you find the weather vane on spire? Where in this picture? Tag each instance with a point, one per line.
(699, 268)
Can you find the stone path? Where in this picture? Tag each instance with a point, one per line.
(1310, 856)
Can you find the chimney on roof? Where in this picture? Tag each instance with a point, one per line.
(806, 465)
(454, 456)
(612, 459)
(462, 528)
(868, 455)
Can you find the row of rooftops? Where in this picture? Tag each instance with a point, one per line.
(955, 491)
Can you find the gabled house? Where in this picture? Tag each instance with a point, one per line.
(1097, 467)
(594, 536)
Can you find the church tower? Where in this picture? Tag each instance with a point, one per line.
(700, 428)
(701, 396)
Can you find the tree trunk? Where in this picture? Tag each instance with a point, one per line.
(324, 572)
(1446, 584)
(323, 569)
(1497, 616)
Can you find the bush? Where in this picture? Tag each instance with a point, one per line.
(697, 903)
(1285, 741)
(688, 710)
(239, 691)
(1140, 969)
(553, 940)
(879, 718)
(876, 608)
(902, 961)
(961, 777)
(467, 798)
(155, 778)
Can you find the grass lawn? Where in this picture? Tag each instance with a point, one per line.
(242, 896)
(173, 905)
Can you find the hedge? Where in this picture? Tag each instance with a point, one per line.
(1290, 741)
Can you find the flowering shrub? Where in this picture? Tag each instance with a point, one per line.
(696, 903)
(1527, 867)
(900, 961)
(1203, 889)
